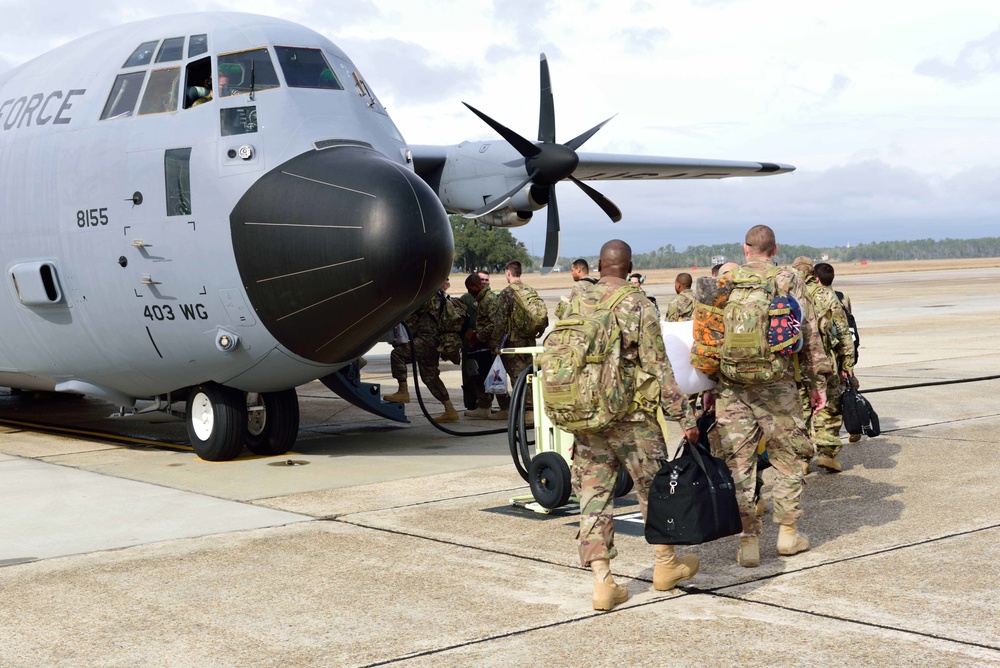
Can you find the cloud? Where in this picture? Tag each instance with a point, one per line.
(977, 60)
(860, 202)
(644, 41)
(408, 71)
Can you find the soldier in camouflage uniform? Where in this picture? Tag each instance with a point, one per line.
(425, 334)
(840, 347)
(476, 348)
(488, 302)
(503, 337)
(636, 441)
(682, 306)
(581, 281)
(745, 412)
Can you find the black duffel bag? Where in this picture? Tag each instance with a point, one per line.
(692, 500)
(859, 416)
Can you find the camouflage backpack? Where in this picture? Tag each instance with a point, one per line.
(452, 321)
(824, 315)
(580, 370)
(529, 316)
(762, 329)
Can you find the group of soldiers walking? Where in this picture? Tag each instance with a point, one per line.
(795, 414)
(470, 331)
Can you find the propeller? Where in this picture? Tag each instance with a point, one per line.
(546, 163)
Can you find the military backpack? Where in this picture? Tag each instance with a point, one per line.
(762, 329)
(529, 316)
(582, 381)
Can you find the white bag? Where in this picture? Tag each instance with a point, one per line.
(496, 379)
(677, 339)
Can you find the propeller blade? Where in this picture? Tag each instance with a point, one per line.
(614, 213)
(578, 141)
(522, 145)
(551, 234)
(546, 107)
(490, 207)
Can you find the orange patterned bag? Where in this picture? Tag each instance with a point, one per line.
(709, 329)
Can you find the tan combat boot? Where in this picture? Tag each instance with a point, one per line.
(748, 556)
(805, 467)
(668, 570)
(829, 463)
(449, 415)
(499, 415)
(480, 413)
(607, 594)
(790, 541)
(854, 438)
(402, 395)
(760, 507)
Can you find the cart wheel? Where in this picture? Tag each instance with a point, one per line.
(549, 478)
(624, 483)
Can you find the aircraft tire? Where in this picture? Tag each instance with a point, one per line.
(276, 433)
(216, 421)
(549, 479)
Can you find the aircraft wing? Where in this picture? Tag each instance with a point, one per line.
(618, 167)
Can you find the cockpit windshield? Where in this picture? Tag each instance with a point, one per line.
(306, 68)
(241, 72)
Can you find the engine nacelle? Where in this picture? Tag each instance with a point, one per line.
(505, 217)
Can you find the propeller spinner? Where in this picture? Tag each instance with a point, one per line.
(546, 163)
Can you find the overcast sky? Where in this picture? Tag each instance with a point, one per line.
(890, 110)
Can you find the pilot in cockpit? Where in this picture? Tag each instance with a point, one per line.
(200, 94)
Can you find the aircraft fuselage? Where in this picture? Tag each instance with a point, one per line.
(260, 238)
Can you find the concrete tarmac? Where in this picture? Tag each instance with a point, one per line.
(377, 544)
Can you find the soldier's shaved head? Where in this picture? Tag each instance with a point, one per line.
(616, 259)
(727, 267)
(760, 241)
(684, 280)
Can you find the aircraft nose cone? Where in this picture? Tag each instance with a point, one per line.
(335, 246)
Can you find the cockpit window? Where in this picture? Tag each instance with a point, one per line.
(197, 45)
(143, 55)
(306, 68)
(161, 91)
(239, 73)
(124, 95)
(172, 49)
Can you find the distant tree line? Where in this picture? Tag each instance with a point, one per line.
(478, 246)
(667, 256)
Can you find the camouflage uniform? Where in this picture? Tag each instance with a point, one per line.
(681, 307)
(475, 350)
(514, 364)
(424, 333)
(487, 314)
(744, 412)
(636, 440)
(839, 347)
(562, 308)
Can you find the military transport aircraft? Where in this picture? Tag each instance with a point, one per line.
(205, 211)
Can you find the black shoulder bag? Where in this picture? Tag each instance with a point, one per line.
(692, 500)
(859, 416)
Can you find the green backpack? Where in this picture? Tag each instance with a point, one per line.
(748, 354)
(580, 371)
(529, 316)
